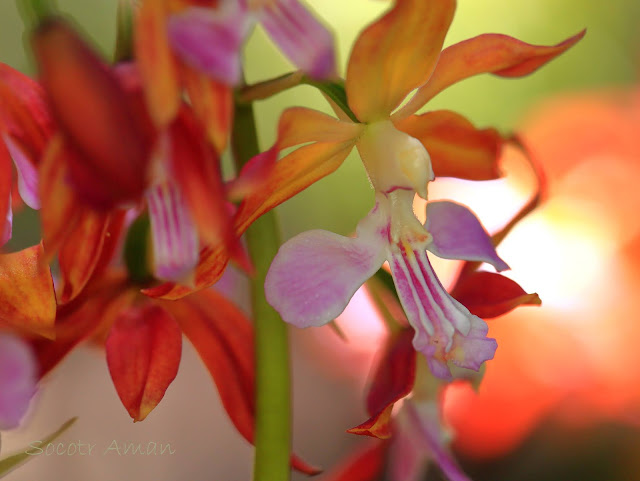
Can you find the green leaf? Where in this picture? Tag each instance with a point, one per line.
(10, 463)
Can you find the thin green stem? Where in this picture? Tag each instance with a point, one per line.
(35, 11)
(273, 396)
(124, 31)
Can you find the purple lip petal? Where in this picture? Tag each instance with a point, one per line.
(173, 232)
(210, 40)
(300, 36)
(17, 380)
(424, 419)
(445, 330)
(27, 174)
(458, 234)
(315, 274)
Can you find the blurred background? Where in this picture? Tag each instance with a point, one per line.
(561, 399)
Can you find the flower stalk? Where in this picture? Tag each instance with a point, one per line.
(273, 398)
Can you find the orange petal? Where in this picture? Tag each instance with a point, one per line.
(395, 55)
(490, 53)
(393, 379)
(456, 147)
(487, 294)
(27, 299)
(156, 62)
(143, 353)
(95, 114)
(212, 104)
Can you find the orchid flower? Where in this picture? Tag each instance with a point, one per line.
(142, 338)
(92, 172)
(198, 44)
(315, 274)
(17, 380)
(395, 55)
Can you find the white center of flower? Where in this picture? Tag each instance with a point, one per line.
(394, 160)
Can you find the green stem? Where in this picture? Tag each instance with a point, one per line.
(273, 396)
(36, 11)
(124, 31)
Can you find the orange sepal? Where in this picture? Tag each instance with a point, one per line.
(212, 104)
(487, 294)
(143, 353)
(156, 63)
(456, 147)
(489, 53)
(395, 55)
(378, 426)
(27, 298)
(94, 113)
(289, 176)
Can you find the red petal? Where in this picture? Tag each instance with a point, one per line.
(27, 300)
(393, 379)
(94, 112)
(223, 337)
(143, 353)
(5, 194)
(24, 113)
(82, 251)
(456, 147)
(81, 318)
(487, 294)
(197, 169)
(366, 464)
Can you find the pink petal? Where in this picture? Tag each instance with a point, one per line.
(458, 234)
(444, 328)
(27, 174)
(315, 274)
(17, 380)
(424, 421)
(300, 36)
(173, 233)
(209, 40)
